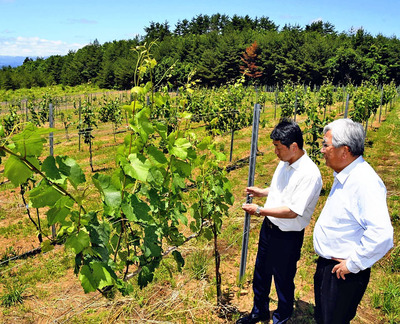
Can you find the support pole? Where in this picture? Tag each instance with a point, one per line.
(380, 108)
(346, 111)
(250, 182)
(80, 125)
(232, 137)
(51, 143)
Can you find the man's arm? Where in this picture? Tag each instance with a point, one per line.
(278, 212)
(257, 192)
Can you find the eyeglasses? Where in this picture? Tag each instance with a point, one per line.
(325, 144)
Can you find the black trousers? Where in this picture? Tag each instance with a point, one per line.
(277, 256)
(336, 300)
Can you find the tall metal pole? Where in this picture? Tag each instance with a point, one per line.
(380, 109)
(346, 111)
(51, 143)
(250, 182)
(80, 125)
(51, 125)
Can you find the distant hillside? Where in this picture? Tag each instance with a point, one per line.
(12, 61)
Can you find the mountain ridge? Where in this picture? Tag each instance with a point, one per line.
(12, 61)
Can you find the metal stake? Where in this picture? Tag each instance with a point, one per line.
(250, 182)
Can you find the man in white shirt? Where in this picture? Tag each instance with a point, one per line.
(354, 229)
(292, 196)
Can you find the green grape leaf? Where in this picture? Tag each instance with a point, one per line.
(44, 195)
(77, 242)
(145, 127)
(124, 287)
(145, 276)
(30, 142)
(179, 215)
(180, 148)
(46, 246)
(59, 211)
(205, 142)
(99, 232)
(161, 130)
(87, 280)
(156, 177)
(51, 171)
(208, 234)
(159, 99)
(139, 167)
(103, 275)
(136, 210)
(181, 167)
(179, 259)
(156, 156)
(70, 168)
(16, 171)
(178, 181)
(151, 243)
(138, 90)
(111, 195)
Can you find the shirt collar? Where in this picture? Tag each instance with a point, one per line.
(344, 174)
(296, 164)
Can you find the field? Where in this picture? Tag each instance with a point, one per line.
(42, 288)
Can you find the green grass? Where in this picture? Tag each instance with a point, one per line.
(21, 229)
(388, 300)
(13, 295)
(383, 156)
(198, 264)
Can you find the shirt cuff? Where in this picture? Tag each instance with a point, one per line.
(353, 268)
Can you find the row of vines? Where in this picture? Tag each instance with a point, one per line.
(219, 109)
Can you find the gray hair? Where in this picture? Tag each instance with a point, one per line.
(346, 132)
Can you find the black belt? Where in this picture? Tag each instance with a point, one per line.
(325, 262)
(271, 225)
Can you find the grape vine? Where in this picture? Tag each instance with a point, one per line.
(144, 205)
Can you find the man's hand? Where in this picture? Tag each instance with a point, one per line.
(340, 269)
(250, 208)
(257, 192)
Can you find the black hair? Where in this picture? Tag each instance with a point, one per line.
(288, 132)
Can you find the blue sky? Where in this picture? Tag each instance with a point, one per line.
(43, 27)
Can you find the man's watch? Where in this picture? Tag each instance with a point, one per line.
(258, 211)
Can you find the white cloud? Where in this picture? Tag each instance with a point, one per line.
(316, 20)
(35, 46)
(83, 21)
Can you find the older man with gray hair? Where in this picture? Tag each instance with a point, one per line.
(353, 230)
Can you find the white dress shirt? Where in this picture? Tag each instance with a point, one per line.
(296, 186)
(355, 223)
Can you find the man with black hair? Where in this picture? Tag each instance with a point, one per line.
(291, 200)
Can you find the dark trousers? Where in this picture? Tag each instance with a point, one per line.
(277, 256)
(336, 299)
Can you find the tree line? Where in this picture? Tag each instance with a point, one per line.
(211, 50)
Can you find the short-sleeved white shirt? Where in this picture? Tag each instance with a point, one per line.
(296, 186)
